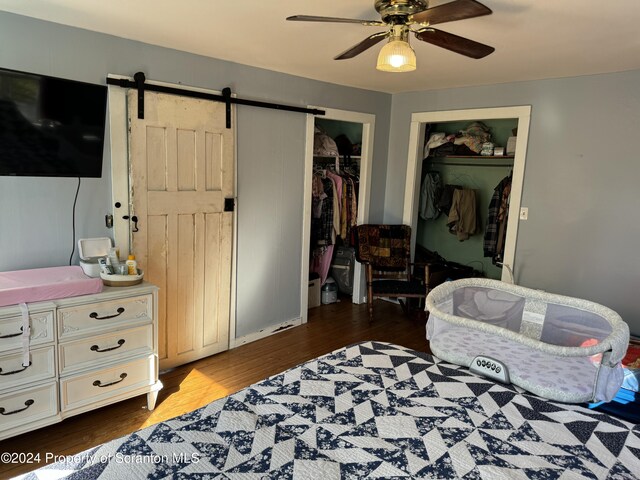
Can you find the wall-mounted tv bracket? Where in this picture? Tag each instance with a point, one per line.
(226, 97)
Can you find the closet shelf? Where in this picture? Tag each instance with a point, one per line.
(478, 160)
(478, 156)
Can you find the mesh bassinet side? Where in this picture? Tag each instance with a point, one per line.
(470, 317)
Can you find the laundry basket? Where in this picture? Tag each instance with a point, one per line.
(558, 347)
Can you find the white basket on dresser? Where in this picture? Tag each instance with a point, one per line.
(85, 352)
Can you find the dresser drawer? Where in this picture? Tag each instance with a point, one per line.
(13, 373)
(87, 388)
(99, 317)
(28, 405)
(100, 349)
(11, 330)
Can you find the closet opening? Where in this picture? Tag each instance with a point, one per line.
(464, 186)
(337, 184)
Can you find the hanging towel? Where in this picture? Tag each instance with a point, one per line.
(26, 335)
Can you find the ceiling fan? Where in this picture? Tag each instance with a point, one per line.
(399, 16)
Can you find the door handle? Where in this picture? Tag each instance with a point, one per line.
(13, 334)
(96, 348)
(95, 314)
(27, 404)
(98, 383)
(13, 372)
(134, 219)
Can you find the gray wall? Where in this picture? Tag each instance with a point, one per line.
(35, 213)
(582, 181)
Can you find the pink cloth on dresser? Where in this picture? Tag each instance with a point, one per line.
(39, 284)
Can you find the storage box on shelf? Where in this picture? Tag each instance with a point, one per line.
(85, 352)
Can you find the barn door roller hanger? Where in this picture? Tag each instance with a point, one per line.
(139, 84)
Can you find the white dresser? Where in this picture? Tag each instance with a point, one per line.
(85, 352)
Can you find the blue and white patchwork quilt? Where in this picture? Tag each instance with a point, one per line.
(371, 410)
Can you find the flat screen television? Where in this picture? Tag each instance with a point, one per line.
(50, 126)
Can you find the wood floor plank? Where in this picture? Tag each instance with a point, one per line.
(193, 385)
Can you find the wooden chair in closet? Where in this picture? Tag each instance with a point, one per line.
(385, 251)
(438, 270)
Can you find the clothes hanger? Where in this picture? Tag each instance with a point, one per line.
(464, 178)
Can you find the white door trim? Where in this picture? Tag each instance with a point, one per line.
(414, 163)
(368, 128)
(117, 100)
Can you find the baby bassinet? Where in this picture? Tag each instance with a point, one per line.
(558, 347)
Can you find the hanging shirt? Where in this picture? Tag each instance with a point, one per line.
(463, 216)
(317, 196)
(337, 203)
(352, 199)
(326, 236)
(492, 231)
(429, 195)
(503, 216)
(344, 212)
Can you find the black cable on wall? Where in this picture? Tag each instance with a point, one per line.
(73, 222)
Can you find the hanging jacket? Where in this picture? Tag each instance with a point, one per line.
(429, 195)
(492, 231)
(463, 216)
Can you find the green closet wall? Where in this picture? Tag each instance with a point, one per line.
(333, 128)
(434, 234)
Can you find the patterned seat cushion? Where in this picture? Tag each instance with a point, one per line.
(384, 246)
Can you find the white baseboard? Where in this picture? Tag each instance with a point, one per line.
(265, 332)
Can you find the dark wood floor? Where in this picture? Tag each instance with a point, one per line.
(191, 386)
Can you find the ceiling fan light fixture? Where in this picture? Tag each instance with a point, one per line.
(399, 16)
(396, 56)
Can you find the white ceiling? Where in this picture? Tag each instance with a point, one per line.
(534, 39)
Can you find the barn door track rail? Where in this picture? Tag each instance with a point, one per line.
(139, 84)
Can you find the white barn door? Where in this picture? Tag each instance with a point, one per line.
(182, 169)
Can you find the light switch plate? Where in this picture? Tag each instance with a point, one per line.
(524, 213)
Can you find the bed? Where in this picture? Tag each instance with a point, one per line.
(371, 410)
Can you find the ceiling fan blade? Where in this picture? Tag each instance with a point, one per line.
(368, 42)
(452, 42)
(449, 12)
(311, 18)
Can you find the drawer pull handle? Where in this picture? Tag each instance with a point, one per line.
(96, 348)
(95, 315)
(13, 334)
(28, 403)
(98, 383)
(15, 371)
